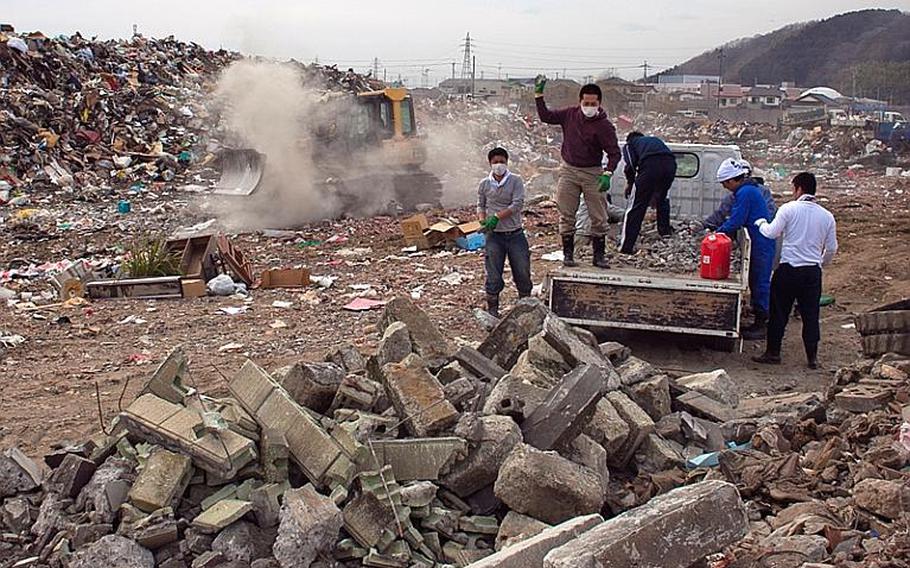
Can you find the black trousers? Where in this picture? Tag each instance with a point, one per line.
(653, 181)
(801, 284)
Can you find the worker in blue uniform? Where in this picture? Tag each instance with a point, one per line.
(749, 205)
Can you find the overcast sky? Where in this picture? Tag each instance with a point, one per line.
(511, 37)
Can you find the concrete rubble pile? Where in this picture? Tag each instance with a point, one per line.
(510, 453)
(827, 481)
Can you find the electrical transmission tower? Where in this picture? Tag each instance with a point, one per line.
(466, 62)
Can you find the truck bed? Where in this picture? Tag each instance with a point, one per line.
(632, 298)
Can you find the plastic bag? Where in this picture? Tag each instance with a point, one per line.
(221, 285)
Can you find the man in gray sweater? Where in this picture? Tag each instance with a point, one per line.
(500, 199)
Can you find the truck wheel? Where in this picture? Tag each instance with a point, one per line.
(886, 322)
(874, 345)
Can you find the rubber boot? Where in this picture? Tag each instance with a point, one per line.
(758, 329)
(568, 251)
(768, 358)
(493, 305)
(600, 247)
(812, 355)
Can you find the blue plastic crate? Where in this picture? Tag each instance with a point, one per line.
(474, 241)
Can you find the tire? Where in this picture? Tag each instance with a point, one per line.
(887, 322)
(874, 345)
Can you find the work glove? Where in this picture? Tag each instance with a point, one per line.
(603, 181)
(490, 222)
(539, 83)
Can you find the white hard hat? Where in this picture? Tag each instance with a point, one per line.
(744, 164)
(729, 169)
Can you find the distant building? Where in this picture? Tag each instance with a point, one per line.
(496, 89)
(764, 97)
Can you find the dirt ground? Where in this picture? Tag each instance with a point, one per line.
(47, 391)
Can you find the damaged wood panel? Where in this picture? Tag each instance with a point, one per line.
(650, 306)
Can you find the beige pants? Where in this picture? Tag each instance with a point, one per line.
(572, 184)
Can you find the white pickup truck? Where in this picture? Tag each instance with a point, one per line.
(627, 298)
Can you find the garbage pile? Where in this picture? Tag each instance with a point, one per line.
(81, 112)
(830, 483)
(420, 455)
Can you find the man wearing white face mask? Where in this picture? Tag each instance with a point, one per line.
(500, 199)
(587, 135)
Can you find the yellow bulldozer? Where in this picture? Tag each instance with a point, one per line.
(372, 152)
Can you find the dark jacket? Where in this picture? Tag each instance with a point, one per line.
(584, 140)
(635, 153)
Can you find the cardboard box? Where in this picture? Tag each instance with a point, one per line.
(193, 288)
(285, 278)
(414, 226)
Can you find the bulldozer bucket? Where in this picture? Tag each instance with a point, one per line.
(241, 171)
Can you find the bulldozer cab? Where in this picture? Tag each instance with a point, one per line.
(391, 112)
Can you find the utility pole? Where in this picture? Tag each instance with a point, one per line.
(720, 75)
(466, 62)
(453, 70)
(644, 76)
(425, 78)
(473, 73)
(375, 67)
(499, 72)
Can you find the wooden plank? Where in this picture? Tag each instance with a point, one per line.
(650, 306)
(148, 288)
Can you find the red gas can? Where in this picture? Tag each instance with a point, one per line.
(716, 250)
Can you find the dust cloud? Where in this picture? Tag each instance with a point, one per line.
(265, 106)
(268, 107)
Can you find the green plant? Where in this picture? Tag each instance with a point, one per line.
(151, 258)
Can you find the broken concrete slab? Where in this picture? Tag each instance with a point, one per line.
(566, 410)
(889, 499)
(547, 486)
(309, 526)
(311, 447)
(242, 542)
(585, 451)
(673, 530)
(415, 459)
(182, 430)
(510, 337)
(617, 353)
(426, 338)
(418, 494)
(266, 502)
(863, 398)
(576, 351)
(656, 454)
(311, 385)
(18, 514)
(72, 475)
(639, 423)
(162, 481)
(491, 440)
(703, 406)
(221, 514)
(514, 396)
(167, 381)
(607, 428)
(479, 365)
(516, 527)
(348, 358)
(652, 395)
(113, 550)
(460, 391)
(357, 392)
(18, 473)
(802, 406)
(634, 370)
(368, 519)
(394, 345)
(532, 551)
(714, 384)
(418, 399)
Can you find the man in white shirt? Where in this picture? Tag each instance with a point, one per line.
(810, 241)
